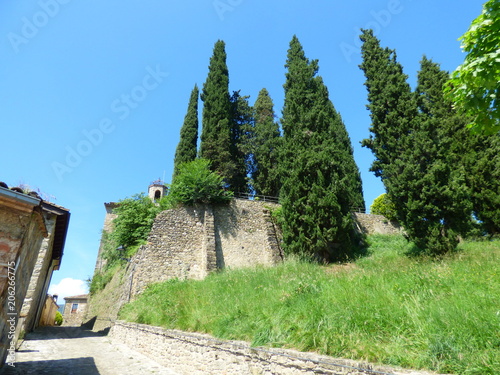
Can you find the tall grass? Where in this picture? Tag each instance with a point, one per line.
(442, 315)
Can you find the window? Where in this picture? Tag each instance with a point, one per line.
(74, 308)
(157, 194)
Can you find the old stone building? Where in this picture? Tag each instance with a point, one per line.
(32, 237)
(157, 190)
(49, 260)
(75, 308)
(49, 310)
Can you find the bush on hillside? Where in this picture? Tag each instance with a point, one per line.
(382, 205)
(196, 183)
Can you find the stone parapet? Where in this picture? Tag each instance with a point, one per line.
(201, 354)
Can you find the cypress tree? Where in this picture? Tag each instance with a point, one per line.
(216, 116)
(482, 163)
(338, 132)
(439, 189)
(187, 146)
(392, 107)
(315, 195)
(266, 143)
(411, 140)
(241, 123)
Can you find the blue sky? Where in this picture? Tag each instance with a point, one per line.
(93, 93)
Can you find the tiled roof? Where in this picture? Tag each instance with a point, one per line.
(62, 220)
(81, 296)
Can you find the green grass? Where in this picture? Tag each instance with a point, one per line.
(441, 315)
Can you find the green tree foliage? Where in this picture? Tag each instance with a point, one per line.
(216, 136)
(135, 217)
(382, 205)
(265, 147)
(444, 140)
(413, 140)
(187, 147)
(196, 183)
(482, 162)
(58, 319)
(391, 104)
(317, 194)
(241, 124)
(475, 85)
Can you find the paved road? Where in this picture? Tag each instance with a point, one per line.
(74, 351)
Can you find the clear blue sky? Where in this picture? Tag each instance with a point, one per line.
(93, 93)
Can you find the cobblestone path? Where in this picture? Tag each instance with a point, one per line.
(74, 351)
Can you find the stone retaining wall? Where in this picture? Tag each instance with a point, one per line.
(244, 235)
(375, 224)
(191, 242)
(201, 354)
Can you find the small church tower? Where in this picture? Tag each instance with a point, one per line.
(157, 190)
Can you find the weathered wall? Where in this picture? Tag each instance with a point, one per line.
(21, 235)
(107, 227)
(36, 294)
(103, 307)
(245, 235)
(193, 353)
(48, 315)
(174, 248)
(74, 318)
(375, 224)
(190, 242)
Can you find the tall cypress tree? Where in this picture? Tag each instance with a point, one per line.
(338, 132)
(472, 161)
(187, 147)
(410, 140)
(392, 106)
(216, 116)
(483, 175)
(265, 147)
(241, 123)
(439, 190)
(316, 194)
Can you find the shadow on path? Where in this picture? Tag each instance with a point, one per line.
(73, 366)
(52, 333)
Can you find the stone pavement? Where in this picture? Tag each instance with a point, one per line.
(75, 351)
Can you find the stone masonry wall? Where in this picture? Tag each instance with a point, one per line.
(174, 248)
(107, 227)
(74, 318)
(21, 237)
(201, 354)
(33, 303)
(244, 235)
(191, 242)
(375, 224)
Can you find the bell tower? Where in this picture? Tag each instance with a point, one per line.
(157, 190)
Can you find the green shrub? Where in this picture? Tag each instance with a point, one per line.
(59, 318)
(196, 183)
(382, 205)
(134, 221)
(276, 215)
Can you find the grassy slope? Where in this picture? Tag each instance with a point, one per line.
(442, 315)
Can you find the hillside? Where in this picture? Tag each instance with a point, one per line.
(387, 307)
